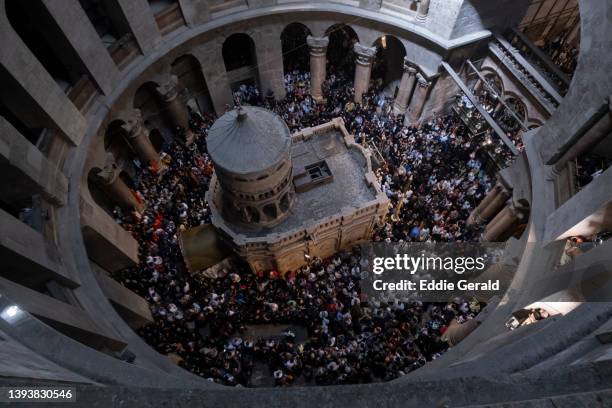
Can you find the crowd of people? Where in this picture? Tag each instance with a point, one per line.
(433, 177)
(491, 144)
(563, 53)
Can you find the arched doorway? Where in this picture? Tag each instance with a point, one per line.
(388, 64)
(513, 116)
(240, 60)
(191, 81)
(148, 102)
(296, 56)
(115, 140)
(340, 53)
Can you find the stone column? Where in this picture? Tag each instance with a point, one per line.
(405, 89)
(363, 69)
(498, 108)
(495, 205)
(503, 225)
(423, 10)
(139, 140)
(108, 179)
(418, 99)
(318, 62)
(175, 108)
(456, 332)
(475, 217)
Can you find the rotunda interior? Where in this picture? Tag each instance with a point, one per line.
(191, 191)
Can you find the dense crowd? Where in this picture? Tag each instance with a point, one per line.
(433, 177)
(563, 53)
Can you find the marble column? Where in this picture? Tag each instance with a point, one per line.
(363, 69)
(498, 108)
(456, 332)
(423, 10)
(474, 218)
(503, 225)
(108, 179)
(318, 62)
(175, 108)
(418, 99)
(495, 205)
(139, 141)
(405, 88)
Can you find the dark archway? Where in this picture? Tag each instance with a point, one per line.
(296, 56)
(148, 102)
(340, 53)
(389, 62)
(157, 140)
(115, 140)
(238, 52)
(240, 60)
(191, 81)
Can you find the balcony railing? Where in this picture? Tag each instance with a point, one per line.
(539, 60)
(538, 86)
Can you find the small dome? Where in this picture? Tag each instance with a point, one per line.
(248, 140)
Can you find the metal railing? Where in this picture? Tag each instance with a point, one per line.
(548, 97)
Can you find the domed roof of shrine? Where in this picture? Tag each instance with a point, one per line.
(248, 140)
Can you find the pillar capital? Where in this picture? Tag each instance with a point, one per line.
(365, 55)
(422, 82)
(109, 173)
(317, 45)
(169, 90)
(138, 138)
(409, 67)
(133, 126)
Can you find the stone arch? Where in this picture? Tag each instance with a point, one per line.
(270, 211)
(340, 54)
(147, 100)
(516, 102)
(389, 62)
(115, 140)
(251, 214)
(238, 51)
(494, 79)
(296, 55)
(240, 59)
(285, 202)
(192, 83)
(533, 123)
